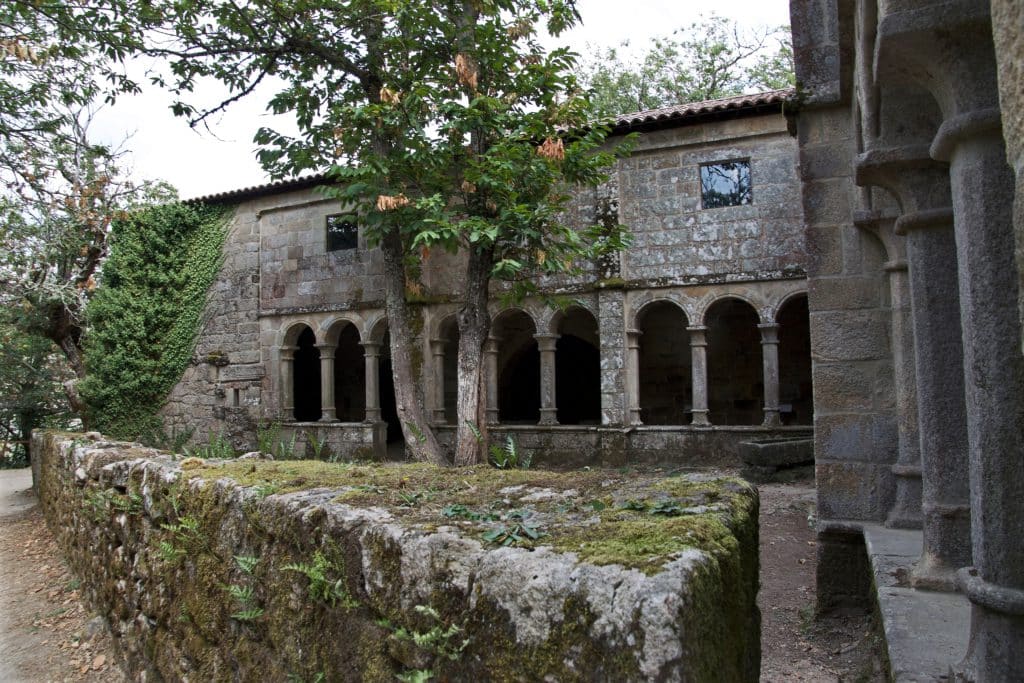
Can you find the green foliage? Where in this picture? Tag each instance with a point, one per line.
(326, 581)
(708, 59)
(316, 445)
(147, 313)
(104, 502)
(217, 447)
(521, 534)
(508, 457)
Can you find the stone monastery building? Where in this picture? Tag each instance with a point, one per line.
(693, 340)
(859, 232)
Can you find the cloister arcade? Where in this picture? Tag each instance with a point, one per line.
(738, 364)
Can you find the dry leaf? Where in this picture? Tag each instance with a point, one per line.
(552, 148)
(98, 662)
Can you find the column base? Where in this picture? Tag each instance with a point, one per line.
(329, 417)
(700, 418)
(932, 574)
(439, 417)
(548, 416)
(492, 416)
(771, 418)
(997, 631)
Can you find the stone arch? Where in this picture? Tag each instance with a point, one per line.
(735, 376)
(331, 327)
(288, 334)
(577, 366)
(518, 366)
(664, 365)
(708, 302)
(796, 391)
(376, 327)
(685, 304)
(349, 368)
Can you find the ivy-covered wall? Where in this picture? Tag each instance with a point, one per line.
(147, 312)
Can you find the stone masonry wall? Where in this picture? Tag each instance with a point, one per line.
(205, 578)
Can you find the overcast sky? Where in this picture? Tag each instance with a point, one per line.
(200, 163)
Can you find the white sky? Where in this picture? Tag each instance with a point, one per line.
(200, 163)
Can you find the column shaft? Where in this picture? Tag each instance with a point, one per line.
(371, 352)
(770, 362)
(437, 352)
(938, 354)
(546, 344)
(699, 374)
(491, 368)
(327, 401)
(633, 374)
(287, 382)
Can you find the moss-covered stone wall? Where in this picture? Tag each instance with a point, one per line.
(246, 569)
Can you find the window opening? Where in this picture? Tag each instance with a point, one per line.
(725, 183)
(342, 232)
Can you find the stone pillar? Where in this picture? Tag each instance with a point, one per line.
(327, 402)
(287, 356)
(633, 375)
(546, 344)
(920, 184)
(770, 361)
(371, 353)
(699, 374)
(982, 186)
(906, 509)
(491, 378)
(437, 353)
(611, 321)
(941, 413)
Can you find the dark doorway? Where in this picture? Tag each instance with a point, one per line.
(666, 385)
(578, 369)
(518, 370)
(796, 397)
(307, 378)
(350, 376)
(735, 372)
(386, 383)
(450, 334)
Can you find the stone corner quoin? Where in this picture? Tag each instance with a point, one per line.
(204, 574)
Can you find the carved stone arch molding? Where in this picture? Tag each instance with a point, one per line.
(646, 298)
(332, 326)
(751, 297)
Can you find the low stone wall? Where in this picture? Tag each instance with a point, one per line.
(298, 570)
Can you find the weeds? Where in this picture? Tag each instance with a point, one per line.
(322, 587)
(508, 457)
(217, 447)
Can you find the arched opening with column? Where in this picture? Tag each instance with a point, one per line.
(449, 390)
(349, 372)
(796, 400)
(518, 368)
(735, 364)
(664, 368)
(383, 400)
(306, 377)
(577, 368)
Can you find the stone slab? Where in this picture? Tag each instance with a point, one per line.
(926, 632)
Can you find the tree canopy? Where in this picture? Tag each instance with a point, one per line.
(445, 124)
(709, 59)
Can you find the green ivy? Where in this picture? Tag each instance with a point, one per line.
(147, 312)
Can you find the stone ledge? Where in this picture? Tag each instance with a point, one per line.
(159, 542)
(925, 632)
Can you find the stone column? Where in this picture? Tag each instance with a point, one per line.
(287, 356)
(612, 323)
(437, 353)
(371, 353)
(948, 50)
(919, 183)
(906, 509)
(491, 378)
(982, 186)
(546, 344)
(633, 375)
(327, 402)
(770, 361)
(699, 374)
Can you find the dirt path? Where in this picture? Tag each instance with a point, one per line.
(46, 634)
(794, 646)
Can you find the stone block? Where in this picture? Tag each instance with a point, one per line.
(848, 335)
(857, 437)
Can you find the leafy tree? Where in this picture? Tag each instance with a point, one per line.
(709, 59)
(444, 124)
(59, 191)
(30, 388)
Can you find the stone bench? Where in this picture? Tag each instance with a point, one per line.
(777, 460)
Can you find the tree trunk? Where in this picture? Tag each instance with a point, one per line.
(416, 429)
(474, 326)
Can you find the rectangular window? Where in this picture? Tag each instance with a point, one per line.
(342, 232)
(725, 183)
